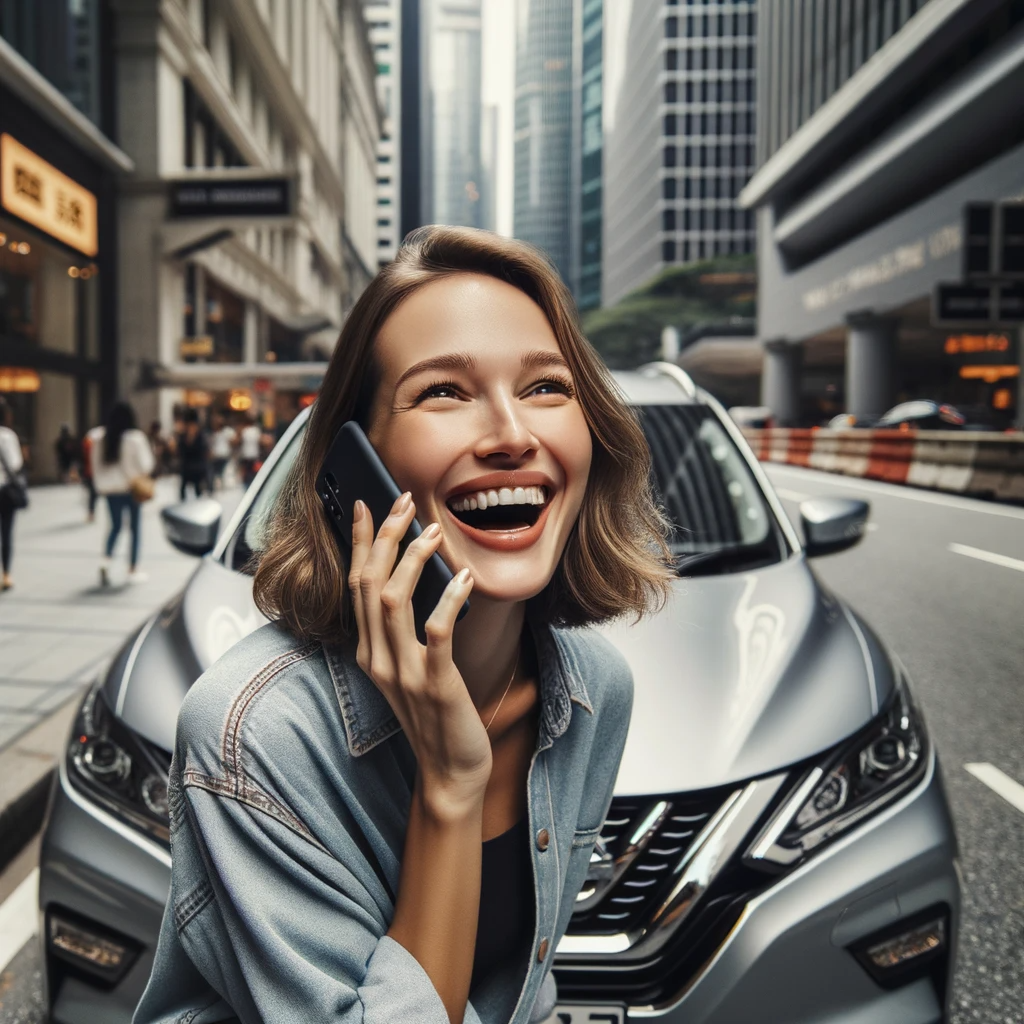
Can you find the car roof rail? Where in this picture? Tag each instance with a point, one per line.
(677, 373)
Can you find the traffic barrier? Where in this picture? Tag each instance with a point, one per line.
(987, 465)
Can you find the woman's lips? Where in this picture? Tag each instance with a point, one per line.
(497, 539)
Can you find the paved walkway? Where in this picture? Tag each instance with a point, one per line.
(58, 626)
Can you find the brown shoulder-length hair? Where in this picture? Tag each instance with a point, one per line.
(615, 560)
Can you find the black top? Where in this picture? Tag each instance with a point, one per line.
(505, 926)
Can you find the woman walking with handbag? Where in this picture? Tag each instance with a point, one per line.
(13, 490)
(122, 462)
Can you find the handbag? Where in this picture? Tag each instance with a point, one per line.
(15, 491)
(142, 488)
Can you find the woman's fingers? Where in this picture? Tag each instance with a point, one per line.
(396, 597)
(439, 626)
(362, 539)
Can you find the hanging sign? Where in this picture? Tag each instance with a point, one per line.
(38, 193)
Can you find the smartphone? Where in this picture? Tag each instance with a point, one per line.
(353, 470)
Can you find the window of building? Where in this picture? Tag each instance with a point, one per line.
(670, 125)
(689, 92)
(668, 220)
(703, 92)
(686, 251)
(700, 218)
(668, 251)
(686, 219)
(669, 159)
(668, 188)
(750, 90)
(703, 187)
(383, 222)
(671, 27)
(703, 124)
(383, 243)
(383, 201)
(717, 219)
(689, 60)
(703, 156)
(383, 158)
(687, 156)
(383, 181)
(687, 187)
(689, 26)
(671, 60)
(671, 92)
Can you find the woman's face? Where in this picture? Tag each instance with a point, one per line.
(476, 415)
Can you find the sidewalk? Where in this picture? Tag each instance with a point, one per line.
(58, 627)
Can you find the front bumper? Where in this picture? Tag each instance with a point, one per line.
(108, 874)
(787, 959)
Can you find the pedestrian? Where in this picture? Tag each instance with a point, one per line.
(222, 446)
(68, 453)
(374, 828)
(193, 448)
(158, 442)
(250, 449)
(13, 490)
(122, 462)
(87, 480)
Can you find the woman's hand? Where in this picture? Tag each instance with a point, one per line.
(421, 683)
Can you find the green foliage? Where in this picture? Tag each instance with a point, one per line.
(711, 291)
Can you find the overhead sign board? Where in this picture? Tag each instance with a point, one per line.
(38, 193)
(972, 305)
(993, 241)
(263, 197)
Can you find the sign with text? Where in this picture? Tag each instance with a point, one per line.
(978, 305)
(38, 193)
(265, 197)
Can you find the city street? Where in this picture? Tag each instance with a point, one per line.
(941, 579)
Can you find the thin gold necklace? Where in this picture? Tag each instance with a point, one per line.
(504, 695)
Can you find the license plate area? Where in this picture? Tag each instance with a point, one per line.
(593, 1013)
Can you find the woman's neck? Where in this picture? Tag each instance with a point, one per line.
(485, 646)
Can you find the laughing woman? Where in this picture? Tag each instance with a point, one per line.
(367, 828)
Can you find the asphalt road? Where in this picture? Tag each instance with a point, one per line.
(923, 576)
(942, 581)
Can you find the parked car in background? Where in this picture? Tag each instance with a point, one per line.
(779, 848)
(922, 415)
(847, 421)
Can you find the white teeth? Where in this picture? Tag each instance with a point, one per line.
(505, 496)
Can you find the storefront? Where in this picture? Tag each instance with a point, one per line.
(57, 288)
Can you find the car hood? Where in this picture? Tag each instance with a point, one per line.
(738, 676)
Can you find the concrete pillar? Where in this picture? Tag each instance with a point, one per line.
(870, 365)
(251, 333)
(780, 380)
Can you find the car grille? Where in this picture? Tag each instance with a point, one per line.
(637, 893)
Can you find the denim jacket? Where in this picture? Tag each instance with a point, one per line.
(289, 795)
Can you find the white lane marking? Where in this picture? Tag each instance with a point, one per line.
(19, 918)
(784, 492)
(987, 556)
(896, 490)
(1010, 790)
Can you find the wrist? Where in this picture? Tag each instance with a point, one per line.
(450, 802)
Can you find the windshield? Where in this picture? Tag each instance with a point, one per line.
(720, 520)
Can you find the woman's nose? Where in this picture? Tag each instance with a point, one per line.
(505, 432)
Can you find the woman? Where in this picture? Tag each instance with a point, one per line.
(11, 460)
(193, 451)
(367, 828)
(120, 454)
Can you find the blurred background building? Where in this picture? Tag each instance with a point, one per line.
(679, 145)
(877, 123)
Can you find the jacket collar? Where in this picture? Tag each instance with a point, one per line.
(369, 720)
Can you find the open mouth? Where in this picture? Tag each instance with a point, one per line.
(507, 508)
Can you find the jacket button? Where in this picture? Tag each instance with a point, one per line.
(543, 839)
(542, 950)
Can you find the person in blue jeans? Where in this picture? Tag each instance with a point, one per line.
(120, 454)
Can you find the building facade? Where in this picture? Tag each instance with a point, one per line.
(451, 163)
(878, 123)
(384, 21)
(60, 171)
(543, 127)
(679, 140)
(247, 230)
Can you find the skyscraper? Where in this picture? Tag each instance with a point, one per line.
(680, 144)
(451, 165)
(543, 126)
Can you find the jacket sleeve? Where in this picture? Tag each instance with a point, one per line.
(278, 929)
(143, 456)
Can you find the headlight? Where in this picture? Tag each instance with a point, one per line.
(850, 784)
(117, 769)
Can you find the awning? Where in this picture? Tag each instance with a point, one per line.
(224, 376)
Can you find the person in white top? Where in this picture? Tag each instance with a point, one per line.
(10, 446)
(120, 453)
(250, 449)
(222, 445)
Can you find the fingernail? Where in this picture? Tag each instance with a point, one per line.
(431, 531)
(403, 503)
(358, 510)
(464, 578)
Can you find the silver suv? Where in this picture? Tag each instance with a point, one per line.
(779, 849)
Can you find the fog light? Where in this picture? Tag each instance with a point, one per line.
(907, 951)
(102, 955)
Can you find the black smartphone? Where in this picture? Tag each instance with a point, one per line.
(353, 470)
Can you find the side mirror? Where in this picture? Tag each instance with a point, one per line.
(832, 524)
(192, 526)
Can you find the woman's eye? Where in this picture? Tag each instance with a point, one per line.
(441, 390)
(552, 387)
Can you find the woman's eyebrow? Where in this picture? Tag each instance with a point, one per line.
(449, 361)
(542, 358)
